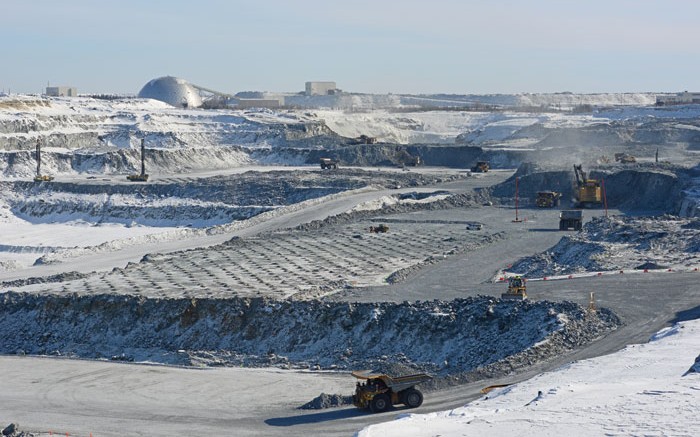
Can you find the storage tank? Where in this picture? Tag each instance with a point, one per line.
(173, 91)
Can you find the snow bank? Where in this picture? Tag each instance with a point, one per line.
(641, 390)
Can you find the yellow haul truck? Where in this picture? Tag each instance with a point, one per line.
(481, 167)
(547, 199)
(378, 392)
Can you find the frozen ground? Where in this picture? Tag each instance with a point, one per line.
(621, 244)
(645, 389)
(87, 136)
(50, 223)
(236, 252)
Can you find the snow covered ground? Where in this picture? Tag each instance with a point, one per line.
(100, 217)
(620, 243)
(84, 124)
(645, 389)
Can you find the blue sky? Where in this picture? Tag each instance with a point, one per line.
(379, 46)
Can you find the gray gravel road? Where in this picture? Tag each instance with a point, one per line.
(111, 399)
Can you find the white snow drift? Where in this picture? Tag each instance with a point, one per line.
(644, 389)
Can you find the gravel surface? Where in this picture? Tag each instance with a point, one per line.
(620, 243)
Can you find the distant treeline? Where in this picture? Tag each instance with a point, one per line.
(481, 107)
(109, 96)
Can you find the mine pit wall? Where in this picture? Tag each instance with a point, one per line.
(183, 160)
(440, 337)
(640, 189)
(123, 161)
(643, 190)
(431, 155)
(210, 202)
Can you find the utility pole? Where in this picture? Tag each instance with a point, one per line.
(38, 158)
(605, 197)
(142, 177)
(143, 157)
(517, 220)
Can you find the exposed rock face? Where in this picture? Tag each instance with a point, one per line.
(195, 202)
(617, 243)
(440, 337)
(647, 188)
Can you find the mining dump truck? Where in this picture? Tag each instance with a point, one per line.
(481, 167)
(547, 199)
(329, 163)
(516, 289)
(571, 219)
(625, 158)
(381, 229)
(364, 139)
(378, 392)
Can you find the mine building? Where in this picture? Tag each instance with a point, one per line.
(61, 91)
(684, 98)
(320, 88)
(259, 103)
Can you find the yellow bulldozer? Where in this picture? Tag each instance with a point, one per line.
(587, 193)
(516, 289)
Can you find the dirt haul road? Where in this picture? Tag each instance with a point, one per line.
(114, 399)
(287, 217)
(82, 397)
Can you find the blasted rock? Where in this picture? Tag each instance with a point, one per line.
(326, 401)
(695, 368)
(10, 429)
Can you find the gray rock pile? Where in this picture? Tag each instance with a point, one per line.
(620, 243)
(327, 401)
(435, 336)
(12, 430)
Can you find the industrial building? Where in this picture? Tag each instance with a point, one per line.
(173, 91)
(320, 88)
(61, 91)
(684, 98)
(259, 103)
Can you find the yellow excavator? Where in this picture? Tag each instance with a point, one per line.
(587, 193)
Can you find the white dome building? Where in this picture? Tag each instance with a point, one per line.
(173, 91)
